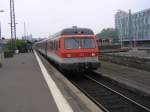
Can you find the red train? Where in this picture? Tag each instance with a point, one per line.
(71, 49)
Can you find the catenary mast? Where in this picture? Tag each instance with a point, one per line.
(12, 25)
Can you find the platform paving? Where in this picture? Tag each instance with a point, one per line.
(136, 79)
(24, 89)
(22, 86)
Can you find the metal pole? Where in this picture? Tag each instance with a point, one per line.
(11, 26)
(0, 32)
(1, 27)
(130, 28)
(24, 30)
(14, 23)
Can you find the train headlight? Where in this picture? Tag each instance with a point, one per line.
(93, 54)
(68, 55)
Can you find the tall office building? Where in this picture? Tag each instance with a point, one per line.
(133, 26)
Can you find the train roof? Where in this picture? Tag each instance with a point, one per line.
(73, 31)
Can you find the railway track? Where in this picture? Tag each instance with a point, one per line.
(105, 97)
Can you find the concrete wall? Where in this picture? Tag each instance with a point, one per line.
(135, 62)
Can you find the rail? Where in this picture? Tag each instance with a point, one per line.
(107, 98)
(134, 102)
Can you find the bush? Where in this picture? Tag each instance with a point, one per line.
(8, 53)
(21, 45)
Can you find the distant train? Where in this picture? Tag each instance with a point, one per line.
(71, 49)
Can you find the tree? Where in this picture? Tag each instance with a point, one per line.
(21, 45)
(108, 33)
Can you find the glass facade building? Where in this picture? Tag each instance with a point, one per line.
(133, 27)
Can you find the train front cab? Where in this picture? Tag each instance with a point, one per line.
(79, 52)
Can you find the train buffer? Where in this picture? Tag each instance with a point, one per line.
(27, 85)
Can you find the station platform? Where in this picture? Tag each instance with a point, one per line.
(26, 85)
(135, 79)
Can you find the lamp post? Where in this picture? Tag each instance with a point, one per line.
(0, 27)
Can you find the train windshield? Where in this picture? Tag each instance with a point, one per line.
(78, 43)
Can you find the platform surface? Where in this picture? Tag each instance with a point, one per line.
(136, 79)
(26, 87)
(22, 86)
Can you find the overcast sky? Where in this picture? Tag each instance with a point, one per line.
(45, 17)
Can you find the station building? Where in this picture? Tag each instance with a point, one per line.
(133, 27)
(104, 41)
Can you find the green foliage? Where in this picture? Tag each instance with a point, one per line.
(8, 53)
(21, 45)
(108, 33)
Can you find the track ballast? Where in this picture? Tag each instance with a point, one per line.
(105, 97)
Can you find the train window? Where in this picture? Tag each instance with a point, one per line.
(88, 43)
(53, 44)
(57, 45)
(72, 43)
(77, 43)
